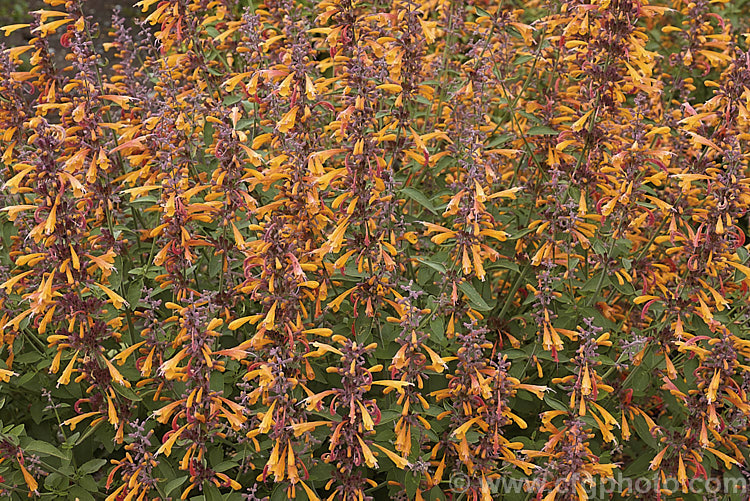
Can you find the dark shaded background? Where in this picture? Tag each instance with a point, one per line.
(16, 11)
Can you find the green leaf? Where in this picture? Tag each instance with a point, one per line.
(16, 430)
(26, 358)
(174, 484)
(97, 428)
(25, 379)
(134, 292)
(208, 133)
(244, 123)
(475, 299)
(641, 428)
(54, 481)
(321, 471)
(387, 416)
(88, 483)
(279, 493)
(437, 331)
(411, 483)
(638, 380)
(505, 264)
(482, 12)
(639, 465)
(626, 288)
(420, 198)
(555, 404)
(522, 59)
(217, 381)
(127, 393)
(535, 119)
(498, 140)
(515, 354)
(541, 130)
(592, 285)
(688, 369)
(8, 232)
(435, 494)
(77, 492)
(225, 465)
(435, 266)
(518, 234)
(92, 466)
(45, 448)
(212, 492)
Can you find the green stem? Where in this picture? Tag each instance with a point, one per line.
(513, 290)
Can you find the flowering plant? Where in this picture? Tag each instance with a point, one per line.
(352, 250)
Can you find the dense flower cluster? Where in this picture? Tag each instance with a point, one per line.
(356, 249)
